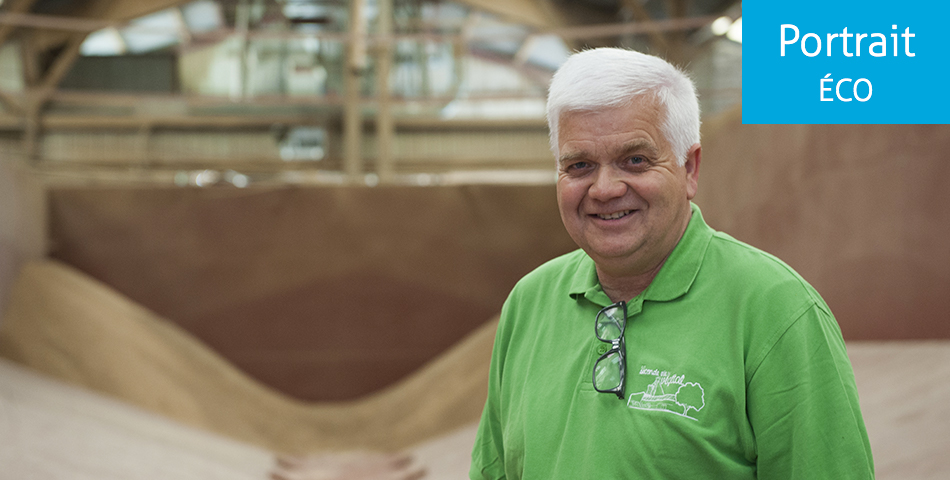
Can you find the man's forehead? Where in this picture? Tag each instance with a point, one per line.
(622, 128)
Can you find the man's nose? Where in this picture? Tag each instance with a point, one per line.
(608, 184)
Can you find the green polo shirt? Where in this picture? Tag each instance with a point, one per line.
(736, 369)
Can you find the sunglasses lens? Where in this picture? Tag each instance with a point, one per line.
(610, 323)
(607, 372)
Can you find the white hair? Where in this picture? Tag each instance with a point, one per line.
(608, 77)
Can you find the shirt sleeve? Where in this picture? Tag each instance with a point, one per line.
(488, 452)
(803, 406)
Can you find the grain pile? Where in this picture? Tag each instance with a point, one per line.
(54, 431)
(71, 327)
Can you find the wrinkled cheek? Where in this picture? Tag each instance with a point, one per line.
(569, 209)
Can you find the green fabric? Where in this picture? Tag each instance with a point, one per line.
(736, 369)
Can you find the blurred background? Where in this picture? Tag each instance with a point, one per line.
(242, 167)
(328, 196)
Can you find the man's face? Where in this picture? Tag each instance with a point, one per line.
(623, 196)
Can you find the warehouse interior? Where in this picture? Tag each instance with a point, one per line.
(237, 230)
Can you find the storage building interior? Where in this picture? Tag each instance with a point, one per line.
(236, 230)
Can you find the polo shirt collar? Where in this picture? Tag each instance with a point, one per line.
(674, 278)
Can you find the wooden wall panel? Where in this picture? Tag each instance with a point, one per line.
(330, 293)
(861, 211)
(22, 222)
(324, 293)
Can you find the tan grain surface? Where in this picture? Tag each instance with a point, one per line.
(904, 387)
(54, 431)
(72, 328)
(68, 326)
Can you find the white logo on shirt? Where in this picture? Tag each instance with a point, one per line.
(668, 393)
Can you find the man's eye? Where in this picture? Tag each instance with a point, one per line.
(636, 160)
(578, 166)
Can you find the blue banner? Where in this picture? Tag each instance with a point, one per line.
(854, 62)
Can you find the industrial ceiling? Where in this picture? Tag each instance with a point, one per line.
(330, 80)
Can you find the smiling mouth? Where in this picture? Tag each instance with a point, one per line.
(614, 216)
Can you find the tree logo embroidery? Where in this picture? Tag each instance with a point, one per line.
(669, 393)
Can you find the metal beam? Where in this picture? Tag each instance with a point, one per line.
(28, 57)
(242, 21)
(677, 10)
(641, 15)
(60, 66)
(135, 123)
(38, 95)
(127, 10)
(645, 27)
(385, 128)
(640, 28)
(31, 128)
(82, 98)
(352, 73)
(10, 104)
(60, 122)
(528, 12)
(14, 7)
(9, 20)
(93, 12)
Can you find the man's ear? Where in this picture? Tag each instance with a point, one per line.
(693, 157)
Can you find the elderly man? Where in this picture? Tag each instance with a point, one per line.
(662, 349)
